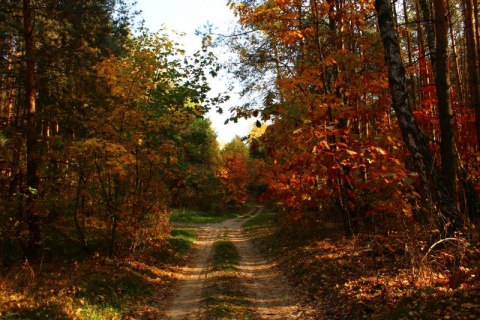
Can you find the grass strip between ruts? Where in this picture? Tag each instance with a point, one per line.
(225, 293)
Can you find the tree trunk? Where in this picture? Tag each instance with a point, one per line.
(7, 102)
(476, 24)
(409, 53)
(447, 216)
(427, 20)
(33, 180)
(473, 74)
(422, 78)
(456, 68)
(447, 146)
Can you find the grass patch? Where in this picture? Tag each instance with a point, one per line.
(178, 246)
(198, 217)
(226, 256)
(225, 293)
(266, 219)
(262, 227)
(94, 289)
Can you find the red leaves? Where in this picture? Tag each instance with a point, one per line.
(234, 173)
(366, 170)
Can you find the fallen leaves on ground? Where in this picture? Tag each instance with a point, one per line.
(372, 277)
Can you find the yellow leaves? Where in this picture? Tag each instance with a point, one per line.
(351, 152)
(129, 77)
(173, 160)
(120, 165)
(381, 151)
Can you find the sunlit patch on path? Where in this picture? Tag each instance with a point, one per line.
(269, 293)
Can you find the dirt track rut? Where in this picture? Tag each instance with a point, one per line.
(269, 292)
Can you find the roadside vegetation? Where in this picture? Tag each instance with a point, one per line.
(372, 277)
(198, 217)
(95, 286)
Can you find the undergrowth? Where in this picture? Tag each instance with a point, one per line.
(394, 275)
(96, 287)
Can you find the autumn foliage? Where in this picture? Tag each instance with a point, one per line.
(234, 175)
(334, 142)
(118, 135)
(367, 118)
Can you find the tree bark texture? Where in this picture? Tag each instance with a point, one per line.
(456, 68)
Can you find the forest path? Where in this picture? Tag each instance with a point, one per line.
(269, 292)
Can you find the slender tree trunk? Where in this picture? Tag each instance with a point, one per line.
(472, 62)
(447, 146)
(33, 180)
(447, 215)
(79, 206)
(454, 54)
(427, 20)
(421, 49)
(476, 23)
(411, 79)
(7, 103)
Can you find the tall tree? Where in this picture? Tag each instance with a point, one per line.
(45, 74)
(442, 83)
(33, 179)
(472, 62)
(448, 217)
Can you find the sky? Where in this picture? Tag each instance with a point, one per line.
(186, 16)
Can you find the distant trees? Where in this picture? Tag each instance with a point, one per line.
(194, 177)
(234, 176)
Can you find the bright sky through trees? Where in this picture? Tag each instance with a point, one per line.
(186, 16)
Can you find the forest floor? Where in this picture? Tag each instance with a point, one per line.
(269, 271)
(399, 275)
(291, 274)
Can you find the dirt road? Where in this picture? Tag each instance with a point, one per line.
(269, 292)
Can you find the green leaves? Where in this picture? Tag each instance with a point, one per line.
(32, 191)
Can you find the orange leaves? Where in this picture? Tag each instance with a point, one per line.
(283, 3)
(308, 166)
(329, 60)
(234, 173)
(325, 6)
(332, 125)
(234, 178)
(291, 37)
